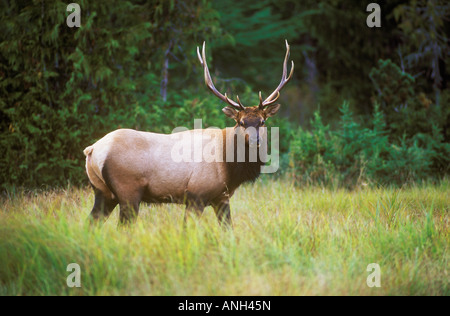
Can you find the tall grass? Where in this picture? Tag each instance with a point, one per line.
(286, 241)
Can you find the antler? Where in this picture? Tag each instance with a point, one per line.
(210, 84)
(276, 94)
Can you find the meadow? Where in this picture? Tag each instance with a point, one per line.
(287, 240)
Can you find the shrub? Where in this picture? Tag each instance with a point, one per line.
(353, 154)
(61, 88)
(406, 110)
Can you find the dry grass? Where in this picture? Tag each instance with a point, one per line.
(286, 241)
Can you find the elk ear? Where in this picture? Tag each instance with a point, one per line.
(230, 112)
(271, 110)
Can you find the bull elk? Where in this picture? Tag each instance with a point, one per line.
(127, 167)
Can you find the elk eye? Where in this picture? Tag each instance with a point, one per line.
(263, 122)
(241, 123)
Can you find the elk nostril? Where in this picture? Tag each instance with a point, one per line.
(254, 141)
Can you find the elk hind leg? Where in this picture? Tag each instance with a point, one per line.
(103, 207)
(193, 206)
(129, 209)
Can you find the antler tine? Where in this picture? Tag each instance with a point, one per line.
(199, 55)
(210, 84)
(284, 79)
(239, 101)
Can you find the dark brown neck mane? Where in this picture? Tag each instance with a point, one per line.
(241, 172)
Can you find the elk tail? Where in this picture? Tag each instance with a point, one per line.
(88, 151)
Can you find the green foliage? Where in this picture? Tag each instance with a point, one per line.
(353, 154)
(407, 111)
(425, 38)
(62, 88)
(133, 64)
(311, 154)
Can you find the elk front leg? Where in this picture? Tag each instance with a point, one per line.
(223, 213)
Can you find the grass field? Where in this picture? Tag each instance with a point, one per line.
(286, 241)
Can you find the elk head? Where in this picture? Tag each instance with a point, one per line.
(253, 117)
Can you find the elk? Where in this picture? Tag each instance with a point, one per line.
(127, 167)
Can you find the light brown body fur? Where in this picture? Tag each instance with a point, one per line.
(126, 167)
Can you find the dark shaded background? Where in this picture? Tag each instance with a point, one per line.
(382, 92)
